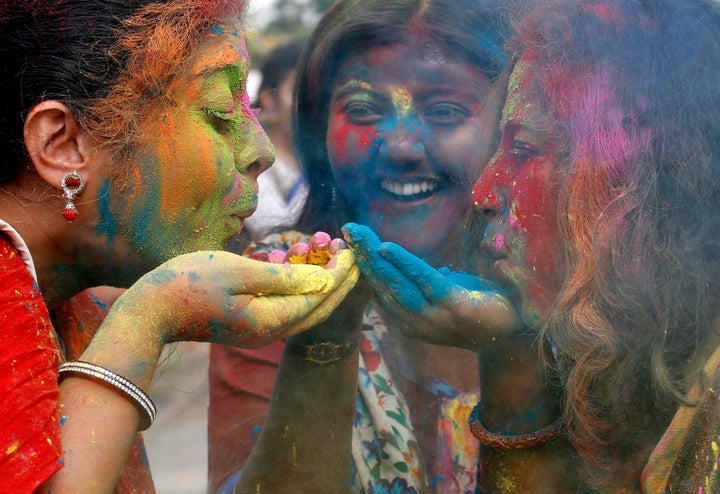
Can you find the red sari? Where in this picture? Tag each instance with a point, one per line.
(29, 358)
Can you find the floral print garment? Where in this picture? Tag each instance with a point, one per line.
(386, 454)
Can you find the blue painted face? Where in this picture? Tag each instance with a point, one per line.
(408, 134)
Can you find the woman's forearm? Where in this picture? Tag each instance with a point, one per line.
(305, 444)
(520, 408)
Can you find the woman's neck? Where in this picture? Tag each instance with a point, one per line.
(60, 250)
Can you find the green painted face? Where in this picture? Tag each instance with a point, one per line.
(195, 167)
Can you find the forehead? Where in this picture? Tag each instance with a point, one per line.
(521, 103)
(407, 62)
(223, 47)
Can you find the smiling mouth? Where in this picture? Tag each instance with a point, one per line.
(410, 191)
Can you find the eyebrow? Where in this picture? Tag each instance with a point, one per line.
(225, 59)
(353, 85)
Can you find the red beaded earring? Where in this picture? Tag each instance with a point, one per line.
(72, 185)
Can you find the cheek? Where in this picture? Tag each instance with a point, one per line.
(349, 146)
(536, 219)
(468, 150)
(186, 158)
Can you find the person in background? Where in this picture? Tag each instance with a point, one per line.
(131, 158)
(397, 109)
(248, 375)
(282, 188)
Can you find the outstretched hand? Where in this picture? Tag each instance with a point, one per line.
(437, 306)
(221, 297)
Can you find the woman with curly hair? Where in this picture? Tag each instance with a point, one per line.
(601, 222)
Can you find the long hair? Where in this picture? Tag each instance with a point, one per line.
(105, 60)
(473, 31)
(633, 88)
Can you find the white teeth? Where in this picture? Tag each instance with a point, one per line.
(408, 189)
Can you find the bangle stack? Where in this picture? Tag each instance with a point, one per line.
(520, 441)
(105, 376)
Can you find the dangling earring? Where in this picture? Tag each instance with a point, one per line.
(72, 185)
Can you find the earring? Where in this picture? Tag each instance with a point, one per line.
(71, 185)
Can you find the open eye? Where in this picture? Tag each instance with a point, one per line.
(446, 114)
(524, 151)
(362, 112)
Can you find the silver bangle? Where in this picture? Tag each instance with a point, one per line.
(98, 373)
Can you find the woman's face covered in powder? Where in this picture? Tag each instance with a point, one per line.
(408, 133)
(194, 168)
(518, 197)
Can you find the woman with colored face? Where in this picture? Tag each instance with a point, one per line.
(397, 106)
(405, 135)
(600, 217)
(131, 157)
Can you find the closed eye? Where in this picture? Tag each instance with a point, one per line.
(220, 120)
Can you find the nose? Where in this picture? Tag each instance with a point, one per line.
(403, 143)
(489, 195)
(258, 166)
(254, 147)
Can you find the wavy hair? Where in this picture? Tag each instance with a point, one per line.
(633, 87)
(105, 59)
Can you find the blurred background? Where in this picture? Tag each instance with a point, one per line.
(177, 441)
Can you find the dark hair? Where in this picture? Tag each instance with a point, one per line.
(471, 30)
(276, 66)
(634, 87)
(98, 57)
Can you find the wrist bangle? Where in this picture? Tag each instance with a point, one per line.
(100, 374)
(519, 441)
(324, 352)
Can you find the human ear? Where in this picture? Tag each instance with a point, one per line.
(56, 143)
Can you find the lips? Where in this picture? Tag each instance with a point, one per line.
(410, 190)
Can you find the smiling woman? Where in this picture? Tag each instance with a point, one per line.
(406, 130)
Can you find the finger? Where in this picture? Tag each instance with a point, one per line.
(276, 256)
(297, 253)
(247, 276)
(391, 285)
(338, 244)
(432, 283)
(340, 266)
(319, 251)
(323, 310)
(365, 244)
(264, 319)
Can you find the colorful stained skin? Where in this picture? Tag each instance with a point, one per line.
(517, 195)
(471, 311)
(407, 136)
(217, 146)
